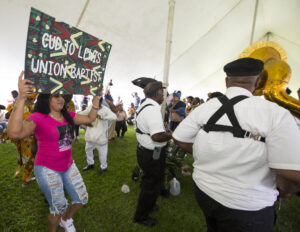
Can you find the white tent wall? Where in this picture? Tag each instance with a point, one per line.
(204, 61)
(206, 35)
(132, 27)
(214, 49)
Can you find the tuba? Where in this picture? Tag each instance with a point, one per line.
(275, 76)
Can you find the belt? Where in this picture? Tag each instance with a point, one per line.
(143, 148)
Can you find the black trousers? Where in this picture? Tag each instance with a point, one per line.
(173, 125)
(222, 219)
(121, 125)
(152, 180)
(77, 130)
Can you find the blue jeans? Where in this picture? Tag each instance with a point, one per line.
(53, 183)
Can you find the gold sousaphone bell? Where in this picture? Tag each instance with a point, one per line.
(275, 76)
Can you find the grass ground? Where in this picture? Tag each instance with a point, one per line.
(24, 209)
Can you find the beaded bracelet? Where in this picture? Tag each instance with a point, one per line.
(94, 107)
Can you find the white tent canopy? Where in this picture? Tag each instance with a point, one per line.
(206, 35)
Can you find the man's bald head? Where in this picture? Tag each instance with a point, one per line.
(247, 82)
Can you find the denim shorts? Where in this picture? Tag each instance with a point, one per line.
(53, 184)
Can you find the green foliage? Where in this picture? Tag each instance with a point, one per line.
(24, 209)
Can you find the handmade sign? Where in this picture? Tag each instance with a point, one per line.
(63, 59)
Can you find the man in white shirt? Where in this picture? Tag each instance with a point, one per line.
(96, 136)
(151, 152)
(244, 147)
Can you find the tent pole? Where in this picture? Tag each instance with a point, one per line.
(168, 53)
(254, 22)
(82, 12)
(268, 35)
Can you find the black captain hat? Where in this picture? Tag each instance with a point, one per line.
(244, 67)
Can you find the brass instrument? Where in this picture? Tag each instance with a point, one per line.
(275, 76)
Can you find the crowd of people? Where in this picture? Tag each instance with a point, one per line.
(237, 141)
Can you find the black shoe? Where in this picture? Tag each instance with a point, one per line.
(147, 222)
(102, 171)
(165, 193)
(155, 208)
(90, 166)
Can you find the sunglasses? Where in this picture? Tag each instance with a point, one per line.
(57, 95)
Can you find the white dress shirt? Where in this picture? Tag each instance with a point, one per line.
(237, 172)
(98, 133)
(149, 121)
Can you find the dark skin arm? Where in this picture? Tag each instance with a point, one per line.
(7, 115)
(113, 108)
(172, 110)
(188, 147)
(288, 181)
(161, 137)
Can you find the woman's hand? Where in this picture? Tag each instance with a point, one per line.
(87, 119)
(24, 86)
(96, 101)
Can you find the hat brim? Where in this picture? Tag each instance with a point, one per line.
(143, 81)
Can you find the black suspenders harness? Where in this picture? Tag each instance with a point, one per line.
(137, 130)
(235, 129)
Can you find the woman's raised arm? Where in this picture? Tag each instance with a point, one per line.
(86, 119)
(18, 128)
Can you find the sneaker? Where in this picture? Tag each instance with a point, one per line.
(26, 183)
(67, 225)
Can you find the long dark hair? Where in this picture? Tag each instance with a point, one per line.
(42, 106)
(100, 103)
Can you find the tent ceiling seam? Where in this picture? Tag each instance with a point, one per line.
(82, 12)
(283, 38)
(254, 22)
(205, 78)
(178, 57)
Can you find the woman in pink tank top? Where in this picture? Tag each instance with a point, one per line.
(54, 168)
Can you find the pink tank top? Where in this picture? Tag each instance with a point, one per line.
(54, 142)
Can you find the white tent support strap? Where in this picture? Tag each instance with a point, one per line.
(168, 52)
(254, 22)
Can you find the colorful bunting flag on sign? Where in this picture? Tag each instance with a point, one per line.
(63, 59)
